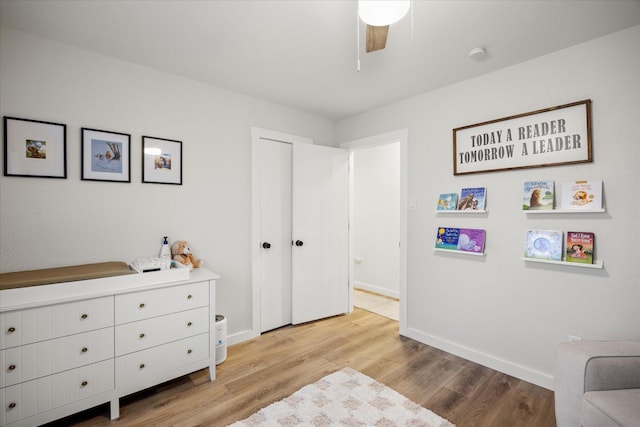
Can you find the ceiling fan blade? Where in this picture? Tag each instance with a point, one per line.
(376, 37)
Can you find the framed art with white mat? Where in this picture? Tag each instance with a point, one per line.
(106, 156)
(161, 161)
(35, 148)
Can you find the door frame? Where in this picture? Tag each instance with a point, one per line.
(257, 135)
(401, 136)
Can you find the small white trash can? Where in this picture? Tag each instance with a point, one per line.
(221, 339)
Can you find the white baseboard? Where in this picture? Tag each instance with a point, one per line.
(376, 289)
(242, 336)
(522, 372)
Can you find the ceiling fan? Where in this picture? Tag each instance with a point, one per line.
(378, 15)
(376, 37)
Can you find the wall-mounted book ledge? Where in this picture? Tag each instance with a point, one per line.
(453, 251)
(596, 264)
(467, 212)
(564, 211)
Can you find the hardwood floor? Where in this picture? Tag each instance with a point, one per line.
(273, 366)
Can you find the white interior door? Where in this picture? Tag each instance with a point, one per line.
(320, 270)
(275, 226)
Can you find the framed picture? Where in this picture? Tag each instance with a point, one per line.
(161, 161)
(33, 148)
(105, 156)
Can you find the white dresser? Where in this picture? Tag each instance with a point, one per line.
(69, 346)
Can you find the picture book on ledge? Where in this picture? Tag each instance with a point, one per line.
(461, 239)
(472, 199)
(471, 240)
(543, 244)
(538, 195)
(585, 194)
(447, 238)
(580, 245)
(448, 202)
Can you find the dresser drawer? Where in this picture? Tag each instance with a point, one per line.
(152, 332)
(33, 397)
(157, 302)
(17, 402)
(140, 366)
(71, 386)
(38, 324)
(73, 351)
(18, 365)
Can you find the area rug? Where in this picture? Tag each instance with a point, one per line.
(345, 398)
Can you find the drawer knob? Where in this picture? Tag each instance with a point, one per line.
(84, 383)
(189, 351)
(84, 316)
(12, 367)
(12, 405)
(84, 349)
(189, 324)
(142, 366)
(142, 335)
(189, 296)
(11, 330)
(141, 305)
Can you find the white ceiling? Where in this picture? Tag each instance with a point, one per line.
(303, 53)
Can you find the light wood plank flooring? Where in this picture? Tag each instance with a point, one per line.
(376, 303)
(273, 366)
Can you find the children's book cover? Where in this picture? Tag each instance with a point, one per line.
(471, 240)
(580, 245)
(582, 195)
(447, 238)
(447, 202)
(538, 195)
(472, 199)
(544, 244)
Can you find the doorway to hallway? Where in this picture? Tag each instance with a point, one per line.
(378, 217)
(375, 219)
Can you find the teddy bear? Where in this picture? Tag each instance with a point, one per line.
(180, 252)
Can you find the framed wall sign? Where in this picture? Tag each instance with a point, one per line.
(105, 156)
(553, 136)
(34, 148)
(161, 161)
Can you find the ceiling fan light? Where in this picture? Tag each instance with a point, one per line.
(379, 13)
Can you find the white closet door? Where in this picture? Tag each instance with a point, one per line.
(275, 234)
(320, 219)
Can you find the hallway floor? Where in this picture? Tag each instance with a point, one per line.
(380, 304)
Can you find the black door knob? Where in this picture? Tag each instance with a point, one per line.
(299, 243)
(266, 245)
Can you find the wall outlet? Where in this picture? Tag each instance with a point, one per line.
(573, 338)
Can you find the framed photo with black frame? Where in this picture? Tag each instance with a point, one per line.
(106, 155)
(161, 161)
(35, 148)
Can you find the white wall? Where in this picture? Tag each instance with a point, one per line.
(499, 310)
(54, 222)
(376, 225)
